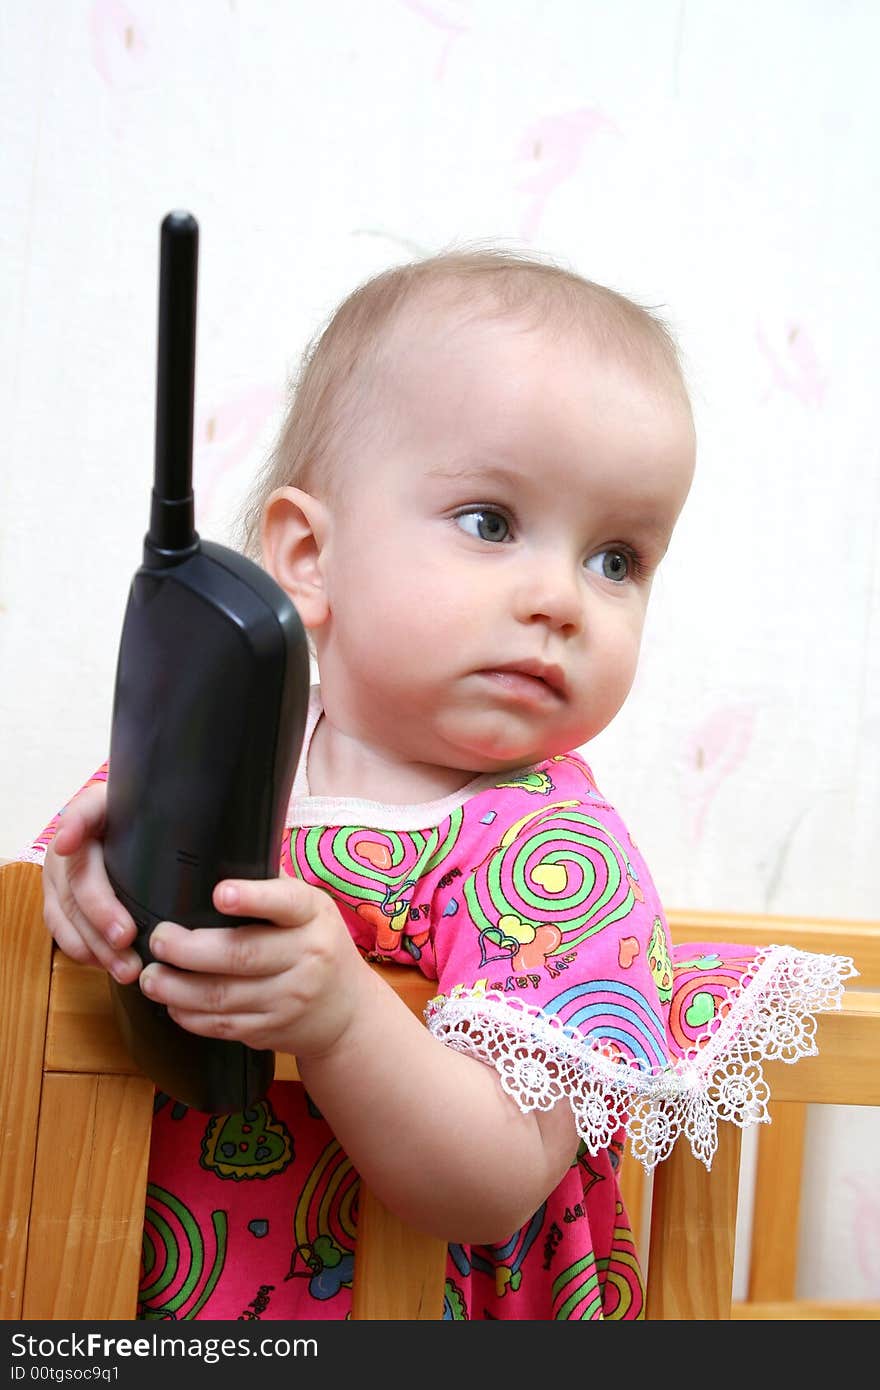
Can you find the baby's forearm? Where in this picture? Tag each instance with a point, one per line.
(430, 1130)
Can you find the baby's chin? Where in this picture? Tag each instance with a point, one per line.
(505, 752)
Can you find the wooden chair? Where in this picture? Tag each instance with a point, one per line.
(842, 1074)
(75, 1120)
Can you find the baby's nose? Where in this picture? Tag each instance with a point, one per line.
(552, 594)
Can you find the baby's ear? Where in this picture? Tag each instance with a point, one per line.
(294, 529)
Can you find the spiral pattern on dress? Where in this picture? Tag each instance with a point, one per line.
(567, 870)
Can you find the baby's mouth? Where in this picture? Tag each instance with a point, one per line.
(529, 681)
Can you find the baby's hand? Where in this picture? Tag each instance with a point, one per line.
(291, 986)
(80, 908)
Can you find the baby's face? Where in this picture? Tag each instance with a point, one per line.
(489, 566)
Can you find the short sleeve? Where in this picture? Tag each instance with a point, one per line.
(35, 852)
(555, 968)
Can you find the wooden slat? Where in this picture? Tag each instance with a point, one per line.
(859, 939)
(804, 1310)
(90, 1179)
(81, 997)
(399, 1273)
(632, 1190)
(693, 1232)
(82, 1035)
(845, 1072)
(775, 1219)
(25, 953)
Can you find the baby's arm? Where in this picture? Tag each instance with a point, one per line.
(430, 1130)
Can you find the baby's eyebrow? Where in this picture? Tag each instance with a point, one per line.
(471, 469)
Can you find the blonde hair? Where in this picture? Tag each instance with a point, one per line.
(339, 366)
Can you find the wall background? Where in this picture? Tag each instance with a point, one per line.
(713, 158)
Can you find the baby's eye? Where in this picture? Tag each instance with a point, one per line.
(616, 565)
(485, 524)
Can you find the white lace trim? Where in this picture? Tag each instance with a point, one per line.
(31, 855)
(540, 1061)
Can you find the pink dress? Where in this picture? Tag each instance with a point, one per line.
(525, 898)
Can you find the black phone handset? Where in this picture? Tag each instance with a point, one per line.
(209, 712)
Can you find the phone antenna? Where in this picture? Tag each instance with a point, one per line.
(172, 535)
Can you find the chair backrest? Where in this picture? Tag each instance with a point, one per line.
(70, 1098)
(693, 1212)
(74, 1144)
(780, 1148)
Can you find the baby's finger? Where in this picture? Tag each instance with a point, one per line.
(78, 938)
(90, 892)
(254, 951)
(84, 906)
(286, 901)
(245, 1028)
(83, 820)
(65, 936)
(123, 964)
(203, 994)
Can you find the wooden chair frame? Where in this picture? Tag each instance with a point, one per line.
(75, 1119)
(841, 1074)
